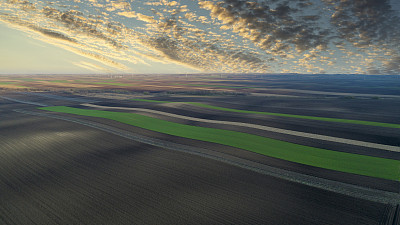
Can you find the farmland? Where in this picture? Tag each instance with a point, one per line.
(345, 162)
(79, 150)
(370, 123)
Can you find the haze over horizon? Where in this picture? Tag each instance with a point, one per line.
(231, 36)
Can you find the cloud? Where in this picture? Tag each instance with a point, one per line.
(7, 18)
(369, 25)
(73, 20)
(91, 66)
(276, 29)
(202, 50)
(218, 35)
(364, 22)
(57, 39)
(139, 16)
(392, 65)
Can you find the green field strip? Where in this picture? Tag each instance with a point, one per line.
(25, 79)
(5, 83)
(60, 81)
(369, 123)
(328, 159)
(13, 84)
(80, 81)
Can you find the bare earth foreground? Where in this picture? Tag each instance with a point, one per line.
(58, 168)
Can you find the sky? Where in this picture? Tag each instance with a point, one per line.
(197, 36)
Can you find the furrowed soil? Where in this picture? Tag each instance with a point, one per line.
(371, 182)
(57, 172)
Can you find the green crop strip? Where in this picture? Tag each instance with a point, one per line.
(369, 123)
(12, 83)
(333, 160)
(5, 83)
(26, 79)
(60, 81)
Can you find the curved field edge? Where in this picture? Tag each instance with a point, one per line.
(328, 159)
(369, 123)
